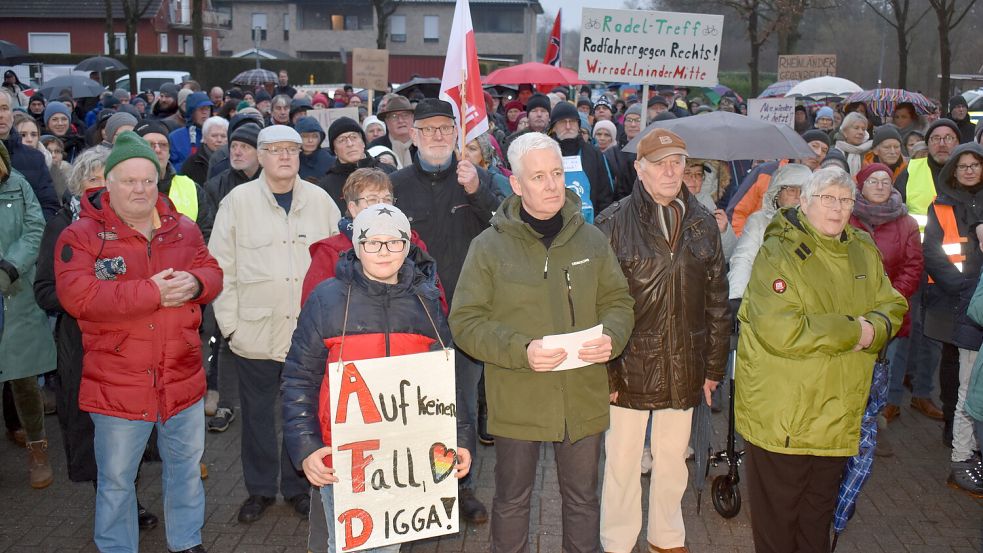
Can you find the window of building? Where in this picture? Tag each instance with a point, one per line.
(349, 17)
(49, 43)
(208, 46)
(259, 26)
(431, 28)
(120, 42)
(397, 28)
(286, 27)
(163, 42)
(498, 19)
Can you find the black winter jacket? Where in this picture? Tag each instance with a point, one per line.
(215, 190)
(334, 181)
(30, 163)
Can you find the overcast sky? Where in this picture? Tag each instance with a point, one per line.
(571, 9)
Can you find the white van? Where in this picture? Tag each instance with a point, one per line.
(152, 80)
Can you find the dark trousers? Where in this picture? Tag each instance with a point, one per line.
(515, 475)
(792, 500)
(467, 374)
(259, 390)
(949, 381)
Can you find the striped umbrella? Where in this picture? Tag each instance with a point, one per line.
(778, 89)
(882, 101)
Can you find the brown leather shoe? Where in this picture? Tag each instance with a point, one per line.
(927, 407)
(654, 549)
(40, 468)
(891, 412)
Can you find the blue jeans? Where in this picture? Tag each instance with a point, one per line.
(897, 355)
(327, 501)
(119, 445)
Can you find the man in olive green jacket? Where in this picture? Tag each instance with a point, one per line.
(541, 270)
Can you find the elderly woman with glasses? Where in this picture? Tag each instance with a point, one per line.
(953, 262)
(817, 310)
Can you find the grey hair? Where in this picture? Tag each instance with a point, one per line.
(527, 143)
(851, 118)
(10, 97)
(84, 164)
(825, 178)
(280, 99)
(212, 121)
(487, 150)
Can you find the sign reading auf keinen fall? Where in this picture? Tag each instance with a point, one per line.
(649, 47)
(394, 435)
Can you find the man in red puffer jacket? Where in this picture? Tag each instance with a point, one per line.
(134, 272)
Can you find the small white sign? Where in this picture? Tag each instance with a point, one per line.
(775, 110)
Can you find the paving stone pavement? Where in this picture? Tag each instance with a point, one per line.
(905, 507)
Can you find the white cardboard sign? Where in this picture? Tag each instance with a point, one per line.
(649, 47)
(394, 439)
(774, 110)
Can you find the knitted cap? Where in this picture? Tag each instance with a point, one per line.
(603, 102)
(635, 109)
(373, 120)
(169, 89)
(605, 124)
(129, 145)
(824, 112)
(886, 132)
(151, 126)
(116, 121)
(816, 135)
(262, 96)
(538, 101)
(835, 158)
(563, 111)
(658, 100)
(247, 133)
(870, 170)
(56, 107)
(957, 101)
(341, 126)
(379, 220)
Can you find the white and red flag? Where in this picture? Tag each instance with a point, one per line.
(461, 82)
(554, 49)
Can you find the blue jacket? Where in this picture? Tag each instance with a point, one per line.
(31, 164)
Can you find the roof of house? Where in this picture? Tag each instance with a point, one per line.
(74, 9)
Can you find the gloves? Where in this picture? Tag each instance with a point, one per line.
(8, 274)
(735, 306)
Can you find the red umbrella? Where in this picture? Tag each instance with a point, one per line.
(533, 73)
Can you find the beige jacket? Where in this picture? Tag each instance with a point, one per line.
(264, 256)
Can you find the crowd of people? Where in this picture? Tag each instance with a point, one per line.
(202, 258)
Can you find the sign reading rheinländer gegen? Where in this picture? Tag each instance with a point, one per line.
(800, 68)
(649, 47)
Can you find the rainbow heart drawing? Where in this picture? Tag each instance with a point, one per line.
(442, 461)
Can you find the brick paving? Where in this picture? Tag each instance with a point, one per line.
(906, 506)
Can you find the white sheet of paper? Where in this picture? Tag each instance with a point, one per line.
(572, 343)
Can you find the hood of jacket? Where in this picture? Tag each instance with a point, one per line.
(947, 173)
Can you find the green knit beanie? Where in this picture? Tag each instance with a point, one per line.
(128, 146)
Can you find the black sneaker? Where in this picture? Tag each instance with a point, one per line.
(470, 508)
(254, 507)
(145, 519)
(301, 503)
(196, 549)
(222, 419)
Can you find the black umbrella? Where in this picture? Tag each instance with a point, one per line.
(430, 87)
(700, 434)
(76, 85)
(100, 64)
(255, 77)
(11, 54)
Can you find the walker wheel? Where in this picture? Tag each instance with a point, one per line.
(726, 496)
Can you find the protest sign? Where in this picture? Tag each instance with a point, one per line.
(650, 47)
(327, 116)
(394, 434)
(774, 110)
(800, 68)
(370, 68)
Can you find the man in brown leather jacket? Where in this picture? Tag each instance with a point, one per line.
(669, 249)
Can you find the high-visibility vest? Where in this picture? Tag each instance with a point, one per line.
(952, 241)
(920, 192)
(184, 194)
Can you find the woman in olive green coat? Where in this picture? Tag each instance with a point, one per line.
(817, 309)
(27, 348)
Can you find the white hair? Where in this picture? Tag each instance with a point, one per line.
(84, 164)
(851, 119)
(527, 143)
(212, 121)
(826, 178)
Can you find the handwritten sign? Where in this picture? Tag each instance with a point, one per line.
(370, 68)
(327, 116)
(650, 47)
(775, 110)
(394, 433)
(800, 68)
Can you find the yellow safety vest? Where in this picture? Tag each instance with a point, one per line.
(920, 192)
(184, 194)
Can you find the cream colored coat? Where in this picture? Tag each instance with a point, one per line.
(264, 255)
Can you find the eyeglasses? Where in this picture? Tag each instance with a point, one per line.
(828, 200)
(350, 138)
(372, 200)
(969, 168)
(633, 119)
(164, 145)
(279, 151)
(948, 139)
(375, 246)
(445, 130)
(877, 182)
(399, 115)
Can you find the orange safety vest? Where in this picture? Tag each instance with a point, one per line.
(952, 241)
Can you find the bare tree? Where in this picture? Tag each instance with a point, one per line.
(133, 12)
(198, 36)
(898, 14)
(792, 12)
(110, 34)
(946, 12)
(761, 21)
(383, 11)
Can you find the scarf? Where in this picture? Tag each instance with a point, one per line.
(854, 154)
(874, 215)
(402, 151)
(670, 220)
